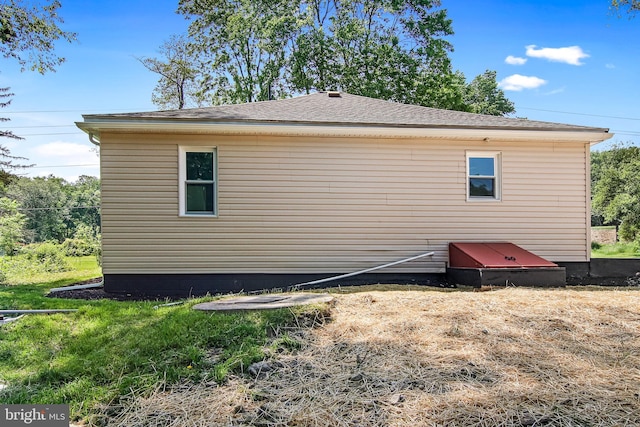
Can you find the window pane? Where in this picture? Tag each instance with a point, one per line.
(483, 166)
(199, 166)
(200, 198)
(481, 187)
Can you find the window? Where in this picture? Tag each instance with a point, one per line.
(483, 176)
(197, 190)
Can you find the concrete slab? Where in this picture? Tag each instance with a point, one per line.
(264, 302)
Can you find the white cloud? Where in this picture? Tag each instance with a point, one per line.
(64, 158)
(515, 60)
(66, 151)
(569, 55)
(517, 82)
(556, 91)
(610, 66)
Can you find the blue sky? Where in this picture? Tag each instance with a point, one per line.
(562, 61)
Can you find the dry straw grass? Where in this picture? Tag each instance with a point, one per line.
(511, 357)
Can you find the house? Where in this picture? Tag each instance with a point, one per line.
(274, 193)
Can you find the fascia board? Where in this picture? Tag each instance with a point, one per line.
(97, 127)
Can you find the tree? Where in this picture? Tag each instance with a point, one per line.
(483, 96)
(632, 6)
(176, 86)
(27, 35)
(240, 47)
(395, 50)
(56, 210)
(7, 161)
(12, 224)
(256, 50)
(615, 178)
(45, 204)
(384, 49)
(83, 202)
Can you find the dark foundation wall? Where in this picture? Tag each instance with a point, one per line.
(604, 272)
(478, 277)
(600, 271)
(184, 285)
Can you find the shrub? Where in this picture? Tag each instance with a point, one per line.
(12, 225)
(628, 232)
(595, 245)
(49, 256)
(86, 241)
(77, 247)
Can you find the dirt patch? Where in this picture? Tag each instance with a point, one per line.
(93, 293)
(510, 357)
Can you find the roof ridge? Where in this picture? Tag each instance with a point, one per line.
(320, 109)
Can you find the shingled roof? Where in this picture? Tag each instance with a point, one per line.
(339, 109)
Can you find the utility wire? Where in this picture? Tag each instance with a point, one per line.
(64, 166)
(78, 132)
(622, 132)
(61, 208)
(580, 114)
(75, 111)
(39, 126)
(50, 134)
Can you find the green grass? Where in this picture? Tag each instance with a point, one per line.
(109, 349)
(19, 270)
(618, 250)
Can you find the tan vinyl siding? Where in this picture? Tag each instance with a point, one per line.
(333, 205)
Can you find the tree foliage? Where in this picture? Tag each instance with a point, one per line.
(44, 203)
(384, 49)
(83, 200)
(7, 161)
(176, 87)
(246, 50)
(483, 96)
(54, 209)
(28, 34)
(630, 6)
(615, 177)
(240, 46)
(12, 224)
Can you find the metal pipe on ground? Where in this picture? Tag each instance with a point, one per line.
(76, 287)
(367, 270)
(52, 311)
(4, 320)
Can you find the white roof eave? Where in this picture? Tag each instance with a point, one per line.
(95, 127)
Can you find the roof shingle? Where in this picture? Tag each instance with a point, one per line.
(344, 110)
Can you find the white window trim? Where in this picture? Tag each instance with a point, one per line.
(497, 158)
(182, 178)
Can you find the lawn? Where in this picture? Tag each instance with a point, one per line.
(108, 349)
(617, 250)
(429, 357)
(393, 355)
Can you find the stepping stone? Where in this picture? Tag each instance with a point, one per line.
(263, 302)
